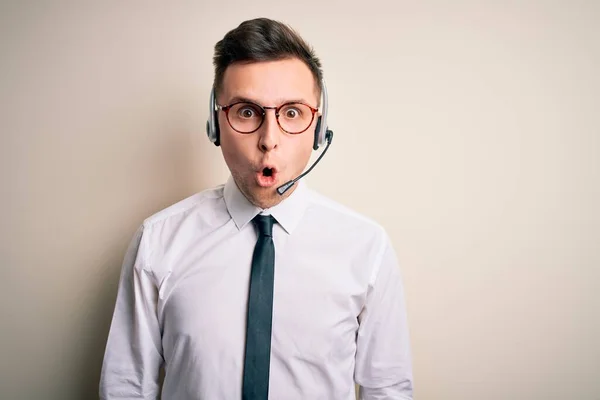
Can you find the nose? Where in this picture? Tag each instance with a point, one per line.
(269, 132)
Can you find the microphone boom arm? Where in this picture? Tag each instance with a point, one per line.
(286, 186)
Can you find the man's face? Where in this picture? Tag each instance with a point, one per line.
(268, 84)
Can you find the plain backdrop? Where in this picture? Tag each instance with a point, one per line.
(469, 129)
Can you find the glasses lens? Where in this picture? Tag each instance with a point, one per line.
(245, 117)
(295, 117)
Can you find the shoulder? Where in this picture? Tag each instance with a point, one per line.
(333, 214)
(203, 202)
(178, 224)
(336, 210)
(349, 232)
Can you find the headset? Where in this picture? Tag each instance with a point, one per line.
(322, 133)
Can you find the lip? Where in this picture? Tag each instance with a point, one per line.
(266, 181)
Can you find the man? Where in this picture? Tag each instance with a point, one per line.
(241, 292)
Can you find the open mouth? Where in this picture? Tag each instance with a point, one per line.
(267, 177)
(267, 172)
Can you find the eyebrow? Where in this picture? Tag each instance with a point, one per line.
(237, 99)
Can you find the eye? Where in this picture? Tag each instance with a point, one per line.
(246, 112)
(292, 112)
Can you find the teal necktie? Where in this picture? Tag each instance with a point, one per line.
(260, 312)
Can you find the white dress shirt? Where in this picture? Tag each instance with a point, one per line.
(338, 309)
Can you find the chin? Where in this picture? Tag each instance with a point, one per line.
(262, 197)
(267, 198)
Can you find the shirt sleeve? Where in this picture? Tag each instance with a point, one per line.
(133, 354)
(383, 360)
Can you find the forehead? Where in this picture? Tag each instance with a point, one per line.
(269, 82)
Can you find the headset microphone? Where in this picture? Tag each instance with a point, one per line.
(286, 186)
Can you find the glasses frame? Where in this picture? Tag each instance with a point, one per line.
(264, 114)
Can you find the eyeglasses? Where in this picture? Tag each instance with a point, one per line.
(247, 117)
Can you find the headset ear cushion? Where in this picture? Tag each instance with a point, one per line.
(317, 131)
(217, 130)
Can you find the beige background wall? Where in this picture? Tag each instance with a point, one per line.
(470, 130)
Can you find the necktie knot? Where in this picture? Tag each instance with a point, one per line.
(264, 224)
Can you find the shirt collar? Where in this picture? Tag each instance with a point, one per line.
(288, 213)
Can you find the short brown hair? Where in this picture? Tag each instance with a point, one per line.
(263, 39)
